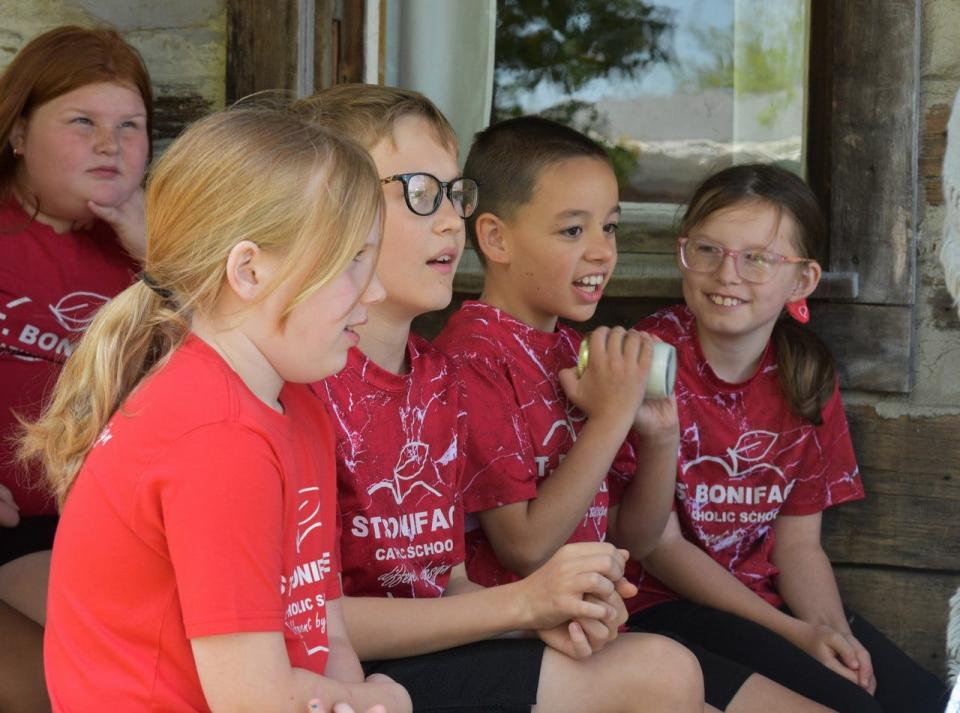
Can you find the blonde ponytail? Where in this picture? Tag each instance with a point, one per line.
(262, 175)
(130, 335)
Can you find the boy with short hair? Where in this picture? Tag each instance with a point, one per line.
(545, 230)
(411, 611)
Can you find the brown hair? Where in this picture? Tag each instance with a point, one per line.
(57, 62)
(507, 158)
(367, 112)
(806, 369)
(266, 176)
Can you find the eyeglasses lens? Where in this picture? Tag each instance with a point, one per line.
(464, 193)
(751, 265)
(422, 193)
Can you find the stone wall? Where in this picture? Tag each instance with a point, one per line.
(937, 366)
(182, 42)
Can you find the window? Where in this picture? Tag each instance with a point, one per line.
(675, 89)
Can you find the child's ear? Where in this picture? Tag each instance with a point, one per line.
(16, 134)
(247, 270)
(807, 281)
(492, 238)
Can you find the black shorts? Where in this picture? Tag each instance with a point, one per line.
(722, 677)
(33, 534)
(721, 640)
(496, 676)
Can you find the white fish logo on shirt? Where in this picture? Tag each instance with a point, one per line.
(76, 310)
(413, 458)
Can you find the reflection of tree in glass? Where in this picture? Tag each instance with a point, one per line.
(760, 54)
(568, 44)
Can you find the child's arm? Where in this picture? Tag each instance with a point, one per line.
(638, 521)
(251, 672)
(694, 575)
(807, 585)
(525, 534)
(342, 661)
(9, 510)
(381, 627)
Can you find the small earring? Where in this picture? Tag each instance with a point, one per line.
(16, 151)
(799, 311)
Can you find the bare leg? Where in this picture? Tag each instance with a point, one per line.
(23, 584)
(634, 674)
(759, 694)
(22, 686)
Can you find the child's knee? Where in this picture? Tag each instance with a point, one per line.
(671, 668)
(679, 664)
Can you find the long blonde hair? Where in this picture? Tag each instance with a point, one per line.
(261, 175)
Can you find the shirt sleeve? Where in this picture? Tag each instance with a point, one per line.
(828, 472)
(499, 467)
(335, 588)
(220, 493)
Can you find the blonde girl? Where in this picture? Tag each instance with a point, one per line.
(193, 567)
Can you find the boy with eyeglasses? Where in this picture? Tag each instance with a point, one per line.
(410, 610)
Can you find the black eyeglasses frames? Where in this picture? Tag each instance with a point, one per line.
(423, 193)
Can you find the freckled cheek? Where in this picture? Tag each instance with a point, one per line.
(54, 167)
(135, 146)
(68, 155)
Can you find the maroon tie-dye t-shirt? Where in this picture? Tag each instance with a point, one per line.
(745, 458)
(520, 422)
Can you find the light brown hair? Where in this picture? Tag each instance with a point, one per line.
(367, 113)
(806, 369)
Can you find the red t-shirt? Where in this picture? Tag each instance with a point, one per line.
(520, 423)
(199, 511)
(50, 287)
(399, 462)
(744, 459)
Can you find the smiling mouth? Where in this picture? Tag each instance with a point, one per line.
(724, 301)
(442, 260)
(589, 283)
